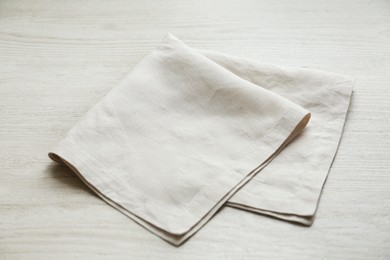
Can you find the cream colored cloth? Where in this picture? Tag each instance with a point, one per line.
(186, 129)
(289, 188)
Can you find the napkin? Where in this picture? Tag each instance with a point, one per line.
(290, 187)
(186, 129)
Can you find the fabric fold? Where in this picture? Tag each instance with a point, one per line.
(177, 138)
(290, 187)
(188, 131)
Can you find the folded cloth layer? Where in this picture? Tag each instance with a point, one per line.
(186, 129)
(289, 188)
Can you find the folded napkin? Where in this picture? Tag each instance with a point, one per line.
(289, 188)
(186, 129)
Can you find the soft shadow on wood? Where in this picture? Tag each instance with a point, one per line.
(66, 176)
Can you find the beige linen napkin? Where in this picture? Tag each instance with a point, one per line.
(289, 188)
(186, 129)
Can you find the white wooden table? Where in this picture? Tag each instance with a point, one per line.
(58, 58)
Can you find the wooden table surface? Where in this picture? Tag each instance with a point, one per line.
(58, 58)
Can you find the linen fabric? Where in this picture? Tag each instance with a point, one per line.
(186, 129)
(290, 187)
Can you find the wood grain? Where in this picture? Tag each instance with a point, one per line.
(58, 58)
